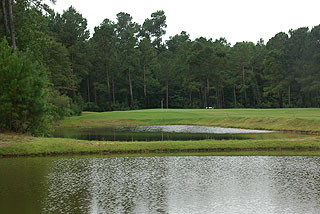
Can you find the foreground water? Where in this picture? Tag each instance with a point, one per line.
(189, 184)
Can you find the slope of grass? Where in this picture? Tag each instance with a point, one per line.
(307, 120)
(20, 145)
(273, 119)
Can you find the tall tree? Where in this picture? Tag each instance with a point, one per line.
(104, 44)
(166, 68)
(155, 28)
(180, 47)
(127, 34)
(299, 63)
(148, 60)
(70, 29)
(5, 17)
(12, 33)
(276, 66)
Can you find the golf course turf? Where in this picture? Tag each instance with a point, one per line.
(304, 122)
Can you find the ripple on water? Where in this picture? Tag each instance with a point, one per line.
(195, 129)
(184, 185)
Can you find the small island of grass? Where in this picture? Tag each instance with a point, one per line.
(304, 122)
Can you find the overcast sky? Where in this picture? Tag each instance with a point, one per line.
(236, 20)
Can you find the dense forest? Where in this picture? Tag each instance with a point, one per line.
(52, 67)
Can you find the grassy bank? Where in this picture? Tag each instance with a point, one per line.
(305, 120)
(20, 145)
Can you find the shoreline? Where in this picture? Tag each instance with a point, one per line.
(26, 146)
(198, 152)
(305, 123)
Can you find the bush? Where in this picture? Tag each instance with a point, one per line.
(119, 106)
(60, 105)
(75, 109)
(90, 106)
(23, 93)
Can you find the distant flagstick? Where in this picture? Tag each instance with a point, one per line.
(162, 103)
(162, 110)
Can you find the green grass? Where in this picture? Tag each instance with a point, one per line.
(20, 145)
(307, 120)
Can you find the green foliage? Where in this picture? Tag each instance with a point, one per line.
(90, 106)
(127, 65)
(56, 59)
(76, 106)
(61, 105)
(70, 29)
(23, 94)
(154, 28)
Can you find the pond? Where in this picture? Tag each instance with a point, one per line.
(186, 184)
(159, 133)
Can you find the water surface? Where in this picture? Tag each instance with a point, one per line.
(176, 185)
(158, 133)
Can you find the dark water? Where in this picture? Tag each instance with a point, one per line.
(159, 133)
(241, 185)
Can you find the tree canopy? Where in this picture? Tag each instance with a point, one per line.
(126, 65)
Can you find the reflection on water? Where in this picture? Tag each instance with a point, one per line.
(171, 185)
(160, 133)
(194, 129)
(110, 185)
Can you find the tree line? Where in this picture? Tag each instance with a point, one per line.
(127, 65)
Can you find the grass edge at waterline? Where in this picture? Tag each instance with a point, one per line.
(296, 120)
(14, 145)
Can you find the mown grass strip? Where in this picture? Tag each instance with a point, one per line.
(11, 145)
(306, 120)
(297, 120)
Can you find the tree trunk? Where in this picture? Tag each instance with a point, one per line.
(258, 97)
(280, 99)
(131, 92)
(109, 88)
(72, 70)
(303, 100)
(217, 95)
(222, 103)
(13, 38)
(289, 95)
(95, 93)
(113, 93)
(208, 87)
(200, 95)
(244, 86)
(234, 96)
(220, 97)
(205, 96)
(208, 92)
(255, 90)
(167, 92)
(88, 89)
(318, 100)
(145, 86)
(5, 18)
(190, 99)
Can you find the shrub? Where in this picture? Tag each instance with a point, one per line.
(60, 105)
(23, 93)
(90, 106)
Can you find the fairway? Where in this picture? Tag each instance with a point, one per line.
(306, 120)
(295, 120)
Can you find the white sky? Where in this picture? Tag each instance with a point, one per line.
(236, 20)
